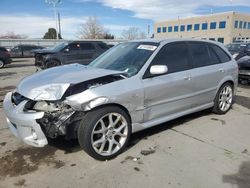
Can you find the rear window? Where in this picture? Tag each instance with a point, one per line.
(224, 57)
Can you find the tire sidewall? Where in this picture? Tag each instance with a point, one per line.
(87, 125)
(216, 108)
(1, 63)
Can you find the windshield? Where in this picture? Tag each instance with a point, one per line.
(128, 57)
(60, 46)
(235, 47)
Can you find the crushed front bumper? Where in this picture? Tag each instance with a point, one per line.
(23, 124)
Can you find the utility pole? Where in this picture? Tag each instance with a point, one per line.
(59, 24)
(54, 3)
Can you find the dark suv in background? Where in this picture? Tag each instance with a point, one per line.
(24, 50)
(4, 57)
(82, 52)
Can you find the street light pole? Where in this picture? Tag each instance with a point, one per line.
(54, 3)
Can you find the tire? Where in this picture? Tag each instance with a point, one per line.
(52, 63)
(224, 99)
(1, 63)
(96, 134)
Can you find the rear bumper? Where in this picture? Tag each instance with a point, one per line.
(23, 124)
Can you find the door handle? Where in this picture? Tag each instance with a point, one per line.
(222, 70)
(187, 78)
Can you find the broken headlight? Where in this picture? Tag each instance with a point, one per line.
(46, 107)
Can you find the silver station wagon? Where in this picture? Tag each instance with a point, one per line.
(131, 87)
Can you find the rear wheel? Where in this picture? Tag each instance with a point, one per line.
(104, 132)
(52, 63)
(224, 99)
(1, 63)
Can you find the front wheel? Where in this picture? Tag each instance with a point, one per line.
(52, 63)
(104, 132)
(224, 99)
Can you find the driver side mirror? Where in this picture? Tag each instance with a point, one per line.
(158, 69)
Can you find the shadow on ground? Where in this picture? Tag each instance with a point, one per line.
(17, 65)
(242, 178)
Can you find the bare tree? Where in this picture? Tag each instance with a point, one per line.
(92, 29)
(12, 35)
(133, 33)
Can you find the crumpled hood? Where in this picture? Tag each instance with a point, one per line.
(52, 83)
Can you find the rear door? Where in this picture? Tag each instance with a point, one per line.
(170, 93)
(86, 52)
(208, 71)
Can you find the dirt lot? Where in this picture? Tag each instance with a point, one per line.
(202, 150)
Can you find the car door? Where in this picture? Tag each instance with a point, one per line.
(16, 51)
(170, 93)
(207, 72)
(70, 53)
(86, 53)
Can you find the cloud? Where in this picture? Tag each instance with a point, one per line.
(165, 9)
(36, 26)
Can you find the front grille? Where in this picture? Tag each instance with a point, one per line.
(17, 98)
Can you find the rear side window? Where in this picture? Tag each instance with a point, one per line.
(200, 54)
(86, 46)
(103, 46)
(174, 55)
(224, 57)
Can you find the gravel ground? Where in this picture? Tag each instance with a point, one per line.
(198, 150)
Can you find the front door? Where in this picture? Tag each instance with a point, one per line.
(170, 93)
(70, 53)
(86, 53)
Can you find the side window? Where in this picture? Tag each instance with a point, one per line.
(224, 57)
(73, 46)
(200, 54)
(213, 56)
(174, 55)
(87, 46)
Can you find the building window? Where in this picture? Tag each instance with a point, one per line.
(248, 25)
(189, 27)
(222, 25)
(213, 39)
(240, 25)
(176, 28)
(158, 30)
(204, 26)
(236, 24)
(213, 25)
(164, 29)
(245, 25)
(170, 29)
(221, 40)
(182, 27)
(196, 27)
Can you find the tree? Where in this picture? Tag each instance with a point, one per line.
(12, 35)
(51, 34)
(133, 33)
(92, 29)
(108, 36)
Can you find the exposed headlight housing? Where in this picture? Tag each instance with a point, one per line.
(45, 106)
(235, 55)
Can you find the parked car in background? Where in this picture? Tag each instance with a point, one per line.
(244, 69)
(239, 50)
(82, 52)
(115, 95)
(24, 50)
(4, 57)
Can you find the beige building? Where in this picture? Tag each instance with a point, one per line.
(223, 27)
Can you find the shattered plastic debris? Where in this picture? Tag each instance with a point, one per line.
(245, 151)
(130, 158)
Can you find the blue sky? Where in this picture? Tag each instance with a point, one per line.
(34, 17)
